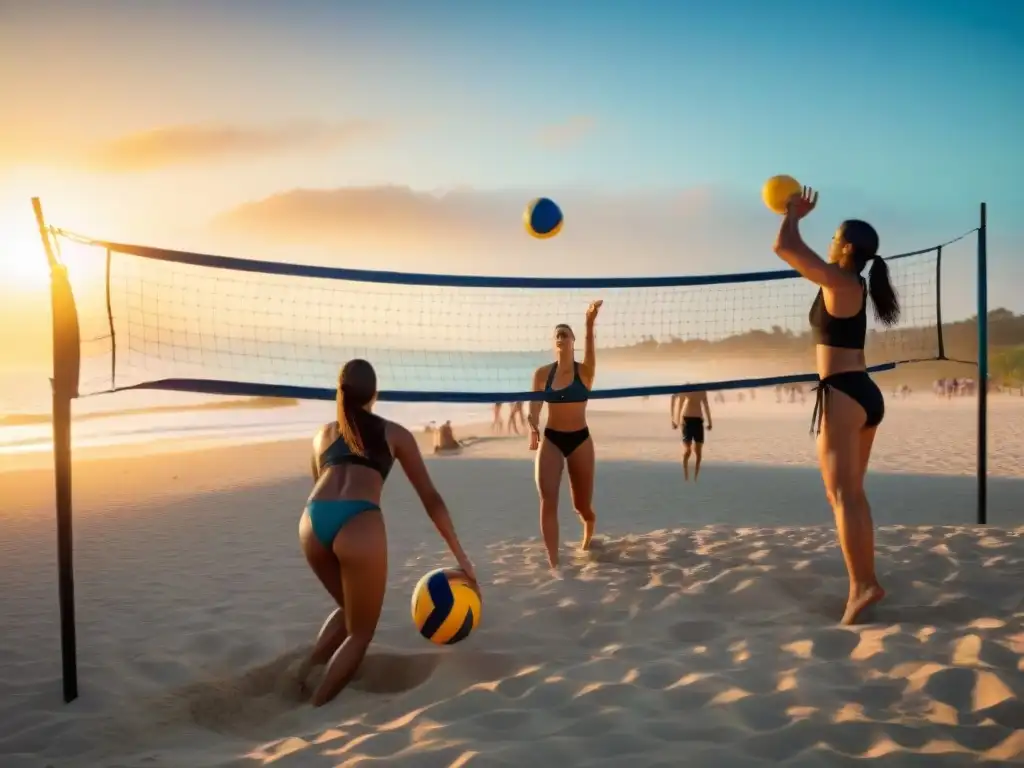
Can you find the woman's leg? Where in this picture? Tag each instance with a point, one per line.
(325, 566)
(362, 550)
(548, 475)
(581, 488)
(842, 446)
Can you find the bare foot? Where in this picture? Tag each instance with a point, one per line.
(588, 533)
(859, 601)
(553, 560)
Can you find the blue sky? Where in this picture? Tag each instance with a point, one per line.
(155, 121)
(887, 97)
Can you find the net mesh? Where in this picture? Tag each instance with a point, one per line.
(145, 320)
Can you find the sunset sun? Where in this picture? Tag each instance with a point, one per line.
(22, 259)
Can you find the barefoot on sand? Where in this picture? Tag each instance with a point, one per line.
(858, 603)
(588, 534)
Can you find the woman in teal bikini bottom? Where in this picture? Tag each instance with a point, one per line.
(342, 527)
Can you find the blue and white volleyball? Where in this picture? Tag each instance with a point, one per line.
(543, 218)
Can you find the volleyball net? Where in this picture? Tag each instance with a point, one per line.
(161, 319)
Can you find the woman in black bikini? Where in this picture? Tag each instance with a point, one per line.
(342, 527)
(566, 385)
(849, 404)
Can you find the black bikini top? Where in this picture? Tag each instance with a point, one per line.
(576, 392)
(842, 332)
(372, 430)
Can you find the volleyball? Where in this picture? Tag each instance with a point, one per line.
(445, 606)
(543, 218)
(777, 191)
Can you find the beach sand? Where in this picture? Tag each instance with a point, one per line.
(701, 630)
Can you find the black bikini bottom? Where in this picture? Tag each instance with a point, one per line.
(855, 384)
(566, 442)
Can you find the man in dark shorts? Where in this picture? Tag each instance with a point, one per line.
(688, 409)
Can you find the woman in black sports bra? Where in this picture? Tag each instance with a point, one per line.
(849, 405)
(566, 386)
(342, 527)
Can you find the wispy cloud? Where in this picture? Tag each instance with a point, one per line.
(178, 145)
(687, 230)
(567, 132)
(474, 230)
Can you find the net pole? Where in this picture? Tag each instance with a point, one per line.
(64, 387)
(983, 367)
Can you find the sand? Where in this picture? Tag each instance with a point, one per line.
(701, 631)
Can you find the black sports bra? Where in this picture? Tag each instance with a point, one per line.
(372, 429)
(576, 392)
(842, 332)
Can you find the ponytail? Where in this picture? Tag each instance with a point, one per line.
(883, 295)
(348, 429)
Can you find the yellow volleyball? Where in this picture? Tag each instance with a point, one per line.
(445, 606)
(777, 191)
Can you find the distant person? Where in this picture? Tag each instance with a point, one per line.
(516, 417)
(444, 439)
(497, 424)
(566, 442)
(688, 411)
(849, 405)
(342, 527)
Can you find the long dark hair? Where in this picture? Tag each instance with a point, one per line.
(357, 386)
(864, 240)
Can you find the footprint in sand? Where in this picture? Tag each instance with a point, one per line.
(395, 672)
(618, 553)
(696, 631)
(386, 672)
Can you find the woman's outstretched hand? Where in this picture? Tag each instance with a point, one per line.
(593, 309)
(802, 203)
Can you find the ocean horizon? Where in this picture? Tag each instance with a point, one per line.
(26, 392)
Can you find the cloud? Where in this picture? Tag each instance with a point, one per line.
(178, 145)
(481, 231)
(567, 132)
(684, 231)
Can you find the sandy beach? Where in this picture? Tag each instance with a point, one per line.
(700, 631)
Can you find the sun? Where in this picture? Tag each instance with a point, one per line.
(22, 258)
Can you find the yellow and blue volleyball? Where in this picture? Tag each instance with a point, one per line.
(777, 190)
(543, 218)
(445, 606)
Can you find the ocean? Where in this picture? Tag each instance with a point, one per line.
(99, 421)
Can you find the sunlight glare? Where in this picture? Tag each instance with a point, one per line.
(22, 258)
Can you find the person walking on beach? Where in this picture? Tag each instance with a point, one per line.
(496, 422)
(566, 442)
(687, 409)
(849, 405)
(342, 529)
(515, 417)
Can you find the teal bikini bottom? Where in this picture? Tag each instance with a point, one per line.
(328, 516)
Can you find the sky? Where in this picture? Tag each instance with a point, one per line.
(409, 135)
